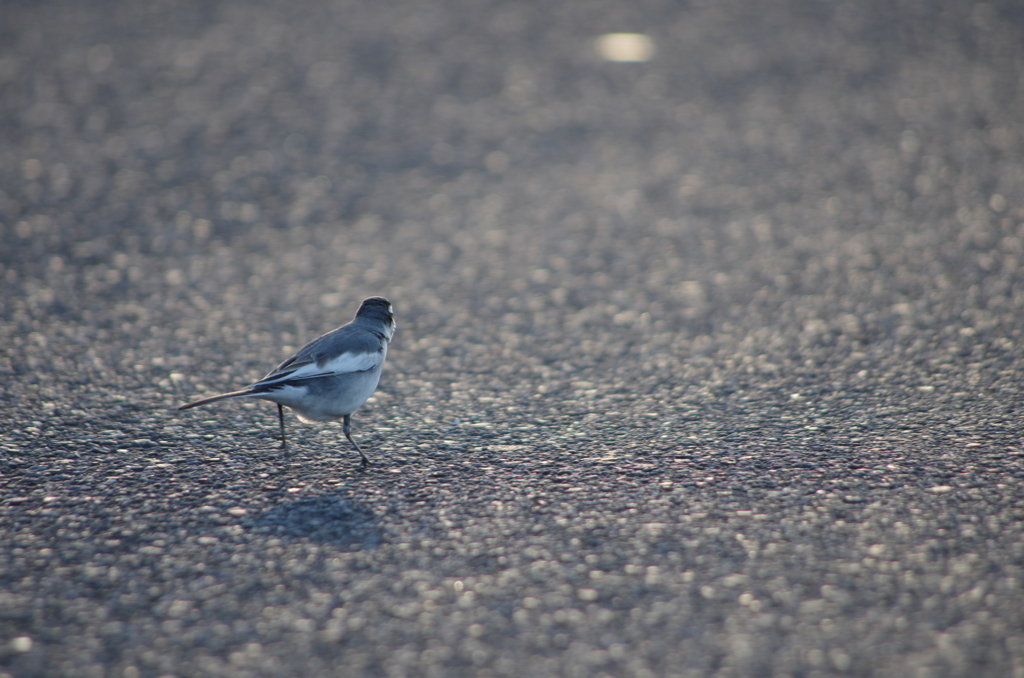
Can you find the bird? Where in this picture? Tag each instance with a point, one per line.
(330, 377)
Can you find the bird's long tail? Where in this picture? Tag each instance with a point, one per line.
(223, 396)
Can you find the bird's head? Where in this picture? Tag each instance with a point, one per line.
(380, 309)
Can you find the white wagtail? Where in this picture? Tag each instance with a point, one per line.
(331, 376)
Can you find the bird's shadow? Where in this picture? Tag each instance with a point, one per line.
(326, 519)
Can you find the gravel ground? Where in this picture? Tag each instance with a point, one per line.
(705, 366)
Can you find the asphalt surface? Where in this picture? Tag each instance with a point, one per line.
(705, 366)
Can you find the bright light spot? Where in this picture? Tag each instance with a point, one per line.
(99, 58)
(332, 299)
(31, 169)
(626, 47)
(322, 74)
(496, 162)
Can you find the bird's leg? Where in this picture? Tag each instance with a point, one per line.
(280, 419)
(346, 426)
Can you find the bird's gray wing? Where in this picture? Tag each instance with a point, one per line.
(342, 351)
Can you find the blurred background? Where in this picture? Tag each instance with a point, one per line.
(720, 299)
(241, 174)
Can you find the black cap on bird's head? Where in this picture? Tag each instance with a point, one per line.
(377, 308)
